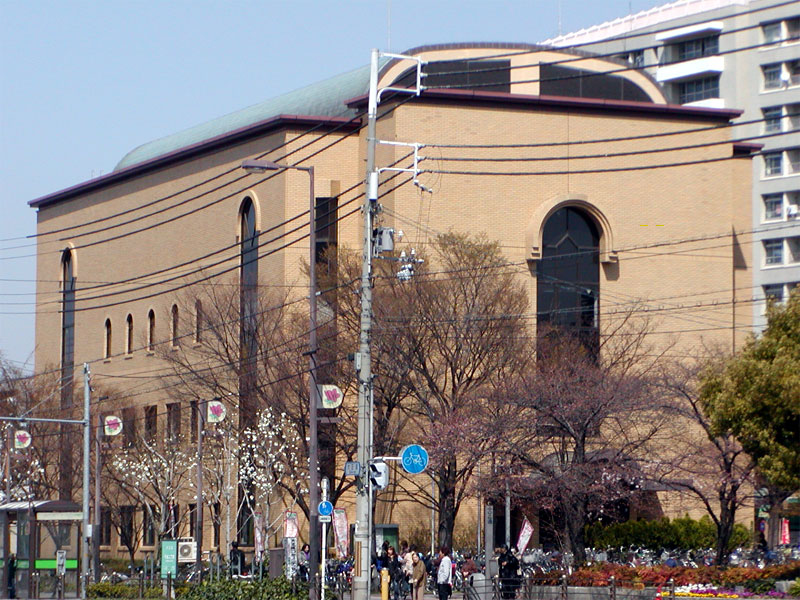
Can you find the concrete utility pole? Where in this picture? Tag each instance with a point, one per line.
(198, 507)
(361, 579)
(87, 447)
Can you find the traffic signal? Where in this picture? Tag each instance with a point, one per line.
(379, 475)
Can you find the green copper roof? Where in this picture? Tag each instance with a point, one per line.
(323, 99)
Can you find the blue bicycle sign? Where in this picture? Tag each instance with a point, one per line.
(414, 459)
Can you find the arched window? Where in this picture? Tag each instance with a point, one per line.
(248, 285)
(107, 349)
(151, 330)
(175, 325)
(129, 334)
(67, 326)
(198, 321)
(568, 276)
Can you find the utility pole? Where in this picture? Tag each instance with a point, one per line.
(198, 507)
(363, 362)
(97, 520)
(87, 446)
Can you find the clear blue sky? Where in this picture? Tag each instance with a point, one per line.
(83, 82)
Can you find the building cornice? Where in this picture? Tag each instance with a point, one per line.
(186, 153)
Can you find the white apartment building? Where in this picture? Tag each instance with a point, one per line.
(742, 54)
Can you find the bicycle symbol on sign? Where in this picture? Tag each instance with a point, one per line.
(414, 458)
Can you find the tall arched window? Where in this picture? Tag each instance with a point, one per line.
(175, 325)
(129, 334)
(198, 321)
(151, 330)
(107, 344)
(568, 276)
(248, 235)
(67, 327)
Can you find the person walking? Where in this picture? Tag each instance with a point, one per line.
(419, 575)
(444, 576)
(509, 565)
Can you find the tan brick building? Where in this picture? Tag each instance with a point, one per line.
(666, 191)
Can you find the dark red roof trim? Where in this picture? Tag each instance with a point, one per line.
(188, 152)
(568, 102)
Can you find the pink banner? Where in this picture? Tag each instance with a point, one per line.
(784, 531)
(524, 535)
(340, 532)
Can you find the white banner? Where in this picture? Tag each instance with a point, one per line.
(524, 535)
(290, 528)
(259, 535)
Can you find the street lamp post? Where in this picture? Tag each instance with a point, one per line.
(258, 167)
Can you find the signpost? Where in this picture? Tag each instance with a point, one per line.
(414, 459)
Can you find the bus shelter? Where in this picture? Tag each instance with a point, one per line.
(31, 534)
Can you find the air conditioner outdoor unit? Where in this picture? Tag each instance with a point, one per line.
(187, 550)
(792, 211)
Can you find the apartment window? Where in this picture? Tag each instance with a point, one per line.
(794, 72)
(151, 330)
(129, 334)
(175, 325)
(793, 29)
(107, 348)
(774, 292)
(772, 118)
(793, 161)
(772, 76)
(706, 46)
(198, 321)
(150, 422)
(773, 164)
(636, 58)
(773, 252)
(793, 247)
(772, 32)
(793, 113)
(773, 206)
(698, 89)
(173, 420)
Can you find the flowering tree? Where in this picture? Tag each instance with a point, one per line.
(158, 476)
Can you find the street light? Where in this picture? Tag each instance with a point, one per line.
(257, 167)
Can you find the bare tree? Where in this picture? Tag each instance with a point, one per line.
(574, 428)
(711, 465)
(449, 336)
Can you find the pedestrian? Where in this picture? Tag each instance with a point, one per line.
(302, 561)
(468, 567)
(408, 565)
(444, 576)
(237, 559)
(509, 565)
(419, 575)
(12, 576)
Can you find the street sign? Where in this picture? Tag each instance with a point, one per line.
(352, 468)
(330, 396)
(325, 509)
(324, 518)
(22, 439)
(112, 425)
(169, 558)
(414, 459)
(216, 411)
(61, 562)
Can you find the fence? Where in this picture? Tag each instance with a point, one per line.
(532, 587)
